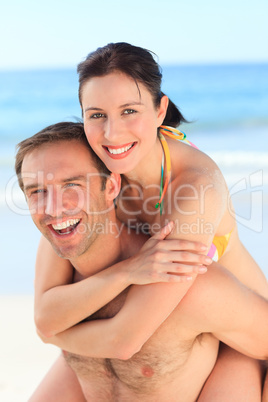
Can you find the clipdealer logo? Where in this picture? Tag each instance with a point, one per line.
(251, 188)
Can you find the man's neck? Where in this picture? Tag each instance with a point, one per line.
(108, 249)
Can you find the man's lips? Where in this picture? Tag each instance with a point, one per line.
(66, 227)
(120, 151)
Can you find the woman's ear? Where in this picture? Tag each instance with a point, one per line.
(162, 110)
(113, 186)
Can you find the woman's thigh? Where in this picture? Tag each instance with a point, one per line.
(265, 388)
(235, 378)
(60, 385)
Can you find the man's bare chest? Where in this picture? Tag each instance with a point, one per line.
(161, 359)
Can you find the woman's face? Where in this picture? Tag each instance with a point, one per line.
(120, 120)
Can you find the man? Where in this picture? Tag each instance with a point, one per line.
(175, 362)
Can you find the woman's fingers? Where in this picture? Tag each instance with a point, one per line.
(176, 273)
(186, 257)
(175, 278)
(181, 245)
(165, 231)
(184, 269)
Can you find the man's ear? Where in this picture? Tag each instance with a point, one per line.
(113, 186)
(162, 110)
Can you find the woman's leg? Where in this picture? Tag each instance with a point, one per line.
(59, 385)
(235, 378)
(265, 389)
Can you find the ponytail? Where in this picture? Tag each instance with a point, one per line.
(173, 116)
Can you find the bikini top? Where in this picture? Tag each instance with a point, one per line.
(175, 135)
(219, 243)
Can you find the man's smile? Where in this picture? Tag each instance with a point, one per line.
(66, 227)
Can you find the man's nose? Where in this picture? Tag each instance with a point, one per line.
(54, 203)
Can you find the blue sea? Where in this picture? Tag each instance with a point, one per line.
(226, 105)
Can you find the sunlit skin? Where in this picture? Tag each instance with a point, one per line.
(58, 183)
(121, 124)
(119, 115)
(108, 95)
(119, 112)
(59, 190)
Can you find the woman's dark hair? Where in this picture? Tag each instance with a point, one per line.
(135, 62)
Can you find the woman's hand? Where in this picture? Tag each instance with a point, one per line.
(166, 260)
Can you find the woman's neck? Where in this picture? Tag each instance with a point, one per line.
(148, 171)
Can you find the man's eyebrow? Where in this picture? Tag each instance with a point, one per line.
(28, 187)
(32, 186)
(80, 177)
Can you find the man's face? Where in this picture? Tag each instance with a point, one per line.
(63, 192)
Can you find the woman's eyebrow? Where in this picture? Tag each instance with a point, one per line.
(131, 103)
(92, 108)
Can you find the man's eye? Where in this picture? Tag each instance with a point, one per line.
(71, 185)
(35, 192)
(129, 111)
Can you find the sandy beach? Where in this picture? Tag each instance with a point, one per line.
(24, 359)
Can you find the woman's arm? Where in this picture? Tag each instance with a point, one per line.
(122, 336)
(208, 308)
(60, 304)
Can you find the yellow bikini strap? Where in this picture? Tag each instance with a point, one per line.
(163, 189)
(172, 132)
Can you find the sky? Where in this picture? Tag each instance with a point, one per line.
(57, 33)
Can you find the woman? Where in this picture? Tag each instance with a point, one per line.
(129, 124)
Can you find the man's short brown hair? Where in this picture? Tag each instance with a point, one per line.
(64, 131)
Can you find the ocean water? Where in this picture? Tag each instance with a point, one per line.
(227, 106)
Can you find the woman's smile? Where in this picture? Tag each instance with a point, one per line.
(120, 120)
(121, 151)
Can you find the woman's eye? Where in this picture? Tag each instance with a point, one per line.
(129, 111)
(97, 116)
